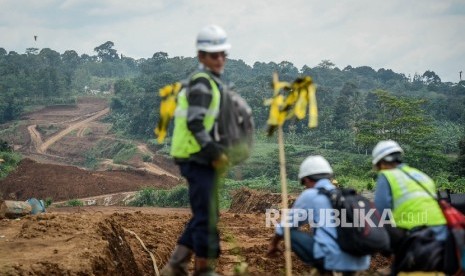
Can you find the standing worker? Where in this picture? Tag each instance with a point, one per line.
(199, 155)
(319, 250)
(409, 194)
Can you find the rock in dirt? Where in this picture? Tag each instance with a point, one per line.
(14, 209)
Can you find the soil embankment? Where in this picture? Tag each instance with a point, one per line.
(32, 179)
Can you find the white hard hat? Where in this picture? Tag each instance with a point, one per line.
(314, 164)
(383, 149)
(212, 39)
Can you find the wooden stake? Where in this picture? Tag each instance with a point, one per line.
(284, 199)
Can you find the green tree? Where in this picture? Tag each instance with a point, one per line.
(160, 56)
(393, 117)
(326, 64)
(429, 77)
(70, 58)
(5, 146)
(461, 158)
(32, 51)
(348, 110)
(386, 75)
(105, 51)
(11, 110)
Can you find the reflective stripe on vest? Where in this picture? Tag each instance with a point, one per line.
(412, 205)
(183, 142)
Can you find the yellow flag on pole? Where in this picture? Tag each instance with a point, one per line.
(168, 94)
(297, 96)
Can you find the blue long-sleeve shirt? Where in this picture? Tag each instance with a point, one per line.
(383, 201)
(324, 246)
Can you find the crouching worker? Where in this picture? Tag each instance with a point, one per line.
(319, 250)
(420, 231)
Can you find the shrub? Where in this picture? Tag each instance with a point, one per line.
(125, 154)
(48, 201)
(74, 203)
(176, 197)
(91, 161)
(11, 160)
(355, 183)
(146, 158)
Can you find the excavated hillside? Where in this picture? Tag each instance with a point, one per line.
(58, 182)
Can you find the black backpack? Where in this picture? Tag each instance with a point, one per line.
(359, 239)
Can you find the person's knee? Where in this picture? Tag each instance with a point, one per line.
(301, 237)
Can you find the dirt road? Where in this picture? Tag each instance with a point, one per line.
(80, 123)
(43, 148)
(35, 137)
(150, 166)
(81, 131)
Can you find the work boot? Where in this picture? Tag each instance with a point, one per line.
(205, 267)
(178, 262)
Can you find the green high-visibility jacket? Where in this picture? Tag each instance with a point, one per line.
(412, 205)
(183, 143)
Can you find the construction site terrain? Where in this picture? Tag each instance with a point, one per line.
(106, 237)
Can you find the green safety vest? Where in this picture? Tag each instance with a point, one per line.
(412, 205)
(183, 143)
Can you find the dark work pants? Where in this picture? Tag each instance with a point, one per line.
(302, 246)
(201, 232)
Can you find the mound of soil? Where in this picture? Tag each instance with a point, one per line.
(87, 243)
(245, 200)
(32, 179)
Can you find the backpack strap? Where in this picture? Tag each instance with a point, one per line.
(327, 193)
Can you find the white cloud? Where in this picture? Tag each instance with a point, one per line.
(406, 36)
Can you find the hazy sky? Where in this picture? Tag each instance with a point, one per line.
(403, 35)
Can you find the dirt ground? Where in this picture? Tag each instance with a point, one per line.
(95, 241)
(99, 240)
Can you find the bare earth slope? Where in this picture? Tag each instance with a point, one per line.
(59, 136)
(32, 179)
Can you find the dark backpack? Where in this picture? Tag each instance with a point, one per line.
(454, 247)
(359, 239)
(235, 126)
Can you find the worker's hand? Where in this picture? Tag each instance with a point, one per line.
(214, 152)
(221, 163)
(211, 151)
(273, 249)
